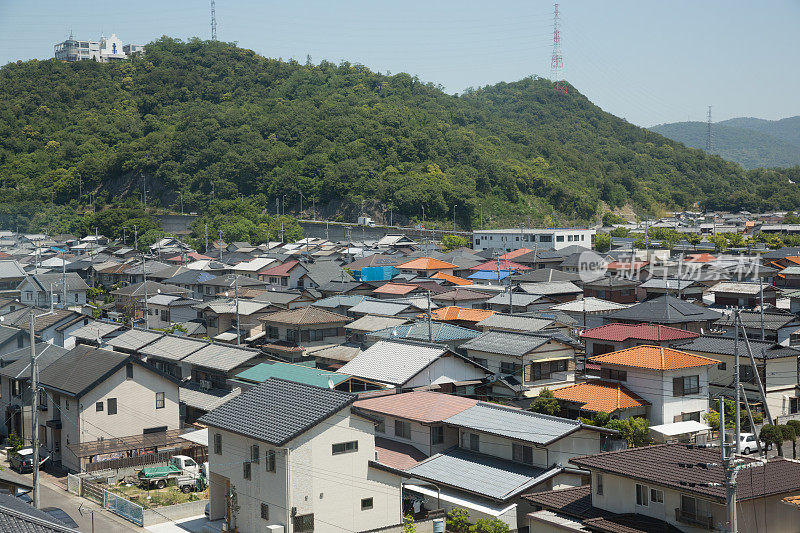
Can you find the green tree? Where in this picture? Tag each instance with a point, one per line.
(794, 424)
(408, 524)
(485, 525)
(14, 442)
(602, 242)
(635, 431)
(451, 242)
(458, 520)
(771, 434)
(788, 433)
(609, 219)
(546, 403)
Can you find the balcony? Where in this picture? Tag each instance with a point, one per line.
(692, 519)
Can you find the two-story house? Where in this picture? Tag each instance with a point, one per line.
(292, 333)
(675, 383)
(613, 337)
(42, 290)
(669, 488)
(93, 394)
(284, 276)
(304, 464)
(168, 309)
(11, 276)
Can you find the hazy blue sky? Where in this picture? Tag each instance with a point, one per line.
(650, 62)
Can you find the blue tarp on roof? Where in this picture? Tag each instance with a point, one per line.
(384, 273)
(491, 274)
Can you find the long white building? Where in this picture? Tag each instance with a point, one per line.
(507, 240)
(105, 50)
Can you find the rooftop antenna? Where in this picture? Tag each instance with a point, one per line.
(213, 20)
(557, 61)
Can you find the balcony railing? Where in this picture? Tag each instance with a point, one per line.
(706, 522)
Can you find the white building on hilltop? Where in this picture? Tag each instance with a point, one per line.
(540, 238)
(105, 50)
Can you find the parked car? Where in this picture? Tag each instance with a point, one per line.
(747, 444)
(61, 515)
(22, 460)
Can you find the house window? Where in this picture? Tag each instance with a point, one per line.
(641, 495)
(218, 443)
(112, 406)
(270, 460)
(20, 341)
(402, 429)
(345, 447)
(303, 523)
(366, 504)
(265, 511)
(599, 485)
(212, 322)
(746, 373)
(559, 238)
(509, 368)
(656, 496)
(129, 371)
(470, 441)
(616, 375)
(685, 385)
(694, 508)
(98, 407)
(686, 417)
(794, 405)
(380, 427)
(437, 434)
(272, 332)
(481, 362)
(246, 470)
(722, 366)
(291, 335)
(255, 454)
(159, 400)
(522, 454)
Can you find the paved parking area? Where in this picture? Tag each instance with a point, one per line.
(195, 524)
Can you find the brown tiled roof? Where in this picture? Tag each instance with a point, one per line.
(426, 263)
(646, 332)
(396, 288)
(461, 294)
(654, 358)
(629, 523)
(420, 406)
(573, 501)
(596, 395)
(675, 466)
(305, 316)
(397, 454)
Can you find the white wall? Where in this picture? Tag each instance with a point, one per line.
(445, 369)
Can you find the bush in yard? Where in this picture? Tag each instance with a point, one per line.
(546, 403)
(794, 424)
(458, 520)
(788, 433)
(494, 525)
(773, 435)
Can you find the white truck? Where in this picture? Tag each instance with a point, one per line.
(181, 467)
(366, 221)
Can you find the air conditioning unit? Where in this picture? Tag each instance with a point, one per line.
(205, 384)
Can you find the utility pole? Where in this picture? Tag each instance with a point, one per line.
(206, 248)
(220, 246)
(144, 273)
(430, 327)
(454, 217)
(236, 298)
(35, 412)
(481, 216)
(181, 195)
(136, 237)
(64, 278)
(144, 191)
(761, 297)
(736, 377)
(730, 472)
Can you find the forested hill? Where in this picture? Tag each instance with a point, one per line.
(202, 117)
(748, 141)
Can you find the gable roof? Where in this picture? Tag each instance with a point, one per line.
(393, 362)
(719, 344)
(646, 332)
(461, 293)
(664, 309)
(280, 270)
(426, 263)
(396, 288)
(455, 280)
(378, 307)
(294, 408)
(597, 395)
(419, 406)
(291, 372)
(20, 368)
(305, 316)
(506, 343)
(16, 516)
(370, 323)
(551, 287)
(172, 347)
(134, 339)
(653, 358)
(514, 322)
(464, 314)
(440, 332)
(222, 357)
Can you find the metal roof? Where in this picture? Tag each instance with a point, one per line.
(392, 362)
(514, 423)
(514, 322)
(480, 474)
(297, 373)
(440, 332)
(506, 343)
(221, 357)
(172, 348)
(134, 339)
(293, 409)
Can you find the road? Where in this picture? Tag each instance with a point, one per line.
(55, 496)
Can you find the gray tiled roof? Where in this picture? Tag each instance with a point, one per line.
(293, 409)
(514, 423)
(172, 347)
(717, 344)
(374, 307)
(393, 362)
(221, 356)
(550, 287)
(371, 323)
(21, 368)
(673, 311)
(517, 299)
(506, 343)
(752, 319)
(134, 339)
(16, 516)
(440, 332)
(95, 330)
(480, 474)
(514, 322)
(207, 400)
(80, 368)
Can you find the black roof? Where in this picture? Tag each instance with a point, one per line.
(657, 310)
(725, 345)
(16, 516)
(82, 368)
(20, 368)
(277, 410)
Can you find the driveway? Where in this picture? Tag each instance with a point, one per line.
(195, 524)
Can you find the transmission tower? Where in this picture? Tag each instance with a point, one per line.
(213, 21)
(557, 62)
(709, 134)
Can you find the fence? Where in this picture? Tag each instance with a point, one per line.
(123, 507)
(130, 462)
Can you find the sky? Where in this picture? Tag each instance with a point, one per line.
(648, 62)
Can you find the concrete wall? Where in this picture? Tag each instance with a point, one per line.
(174, 512)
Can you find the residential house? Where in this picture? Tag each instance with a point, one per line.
(359, 328)
(776, 366)
(406, 365)
(612, 288)
(12, 339)
(424, 331)
(11, 276)
(291, 334)
(251, 268)
(55, 326)
(523, 363)
(44, 290)
(778, 325)
(194, 282)
(588, 312)
(686, 289)
(667, 310)
(95, 394)
(166, 310)
(614, 337)
(262, 456)
(304, 374)
(426, 267)
(589, 398)
(518, 302)
(130, 298)
(560, 291)
(228, 286)
(515, 323)
(662, 489)
(283, 276)
(220, 317)
(743, 294)
(17, 515)
(460, 316)
(399, 309)
(674, 382)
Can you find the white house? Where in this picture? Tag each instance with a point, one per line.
(304, 464)
(40, 289)
(512, 239)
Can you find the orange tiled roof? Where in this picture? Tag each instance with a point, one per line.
(793, 258)
(455, 280)
(426, 263)
(700, 258)
(395, 288)
(792, 500)
(453, 312)
(599, 396)
(516, 253)
(654, 358)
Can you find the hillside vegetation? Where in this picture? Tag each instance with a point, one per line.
(748, 141)
(214, 121)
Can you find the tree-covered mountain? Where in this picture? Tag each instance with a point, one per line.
(211, 121)
(751, 142)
